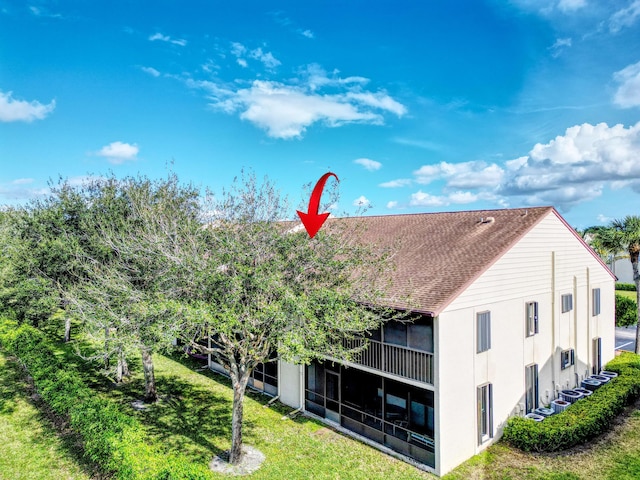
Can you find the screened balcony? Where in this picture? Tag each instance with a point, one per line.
(402, 349)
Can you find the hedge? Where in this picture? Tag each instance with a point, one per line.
(585, 419)
(629, 287)
(112, 439)
(626, 311)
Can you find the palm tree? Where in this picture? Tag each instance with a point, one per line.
(625, 234)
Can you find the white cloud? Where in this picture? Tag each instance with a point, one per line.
(287, 110)
(166, 38)
(574, 167)
(423, 199)
(12, 110)
(119, 152)
(239, 51)
(392, 204)
(151, 71)
(307, 33)
(559, 45)
(267, 58)
(20, 190)
(474, 174)
(401, 182)
(625, 17)
(571, 5)
(628, 93)
(22, 181)
(361, 201)
(603, 218)
(369, 164)
(42, 12)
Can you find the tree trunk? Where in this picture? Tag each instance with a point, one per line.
(239, 387)
(633, 256)
(122, 368)
(151, 394)
(106, 348)
(67, 329)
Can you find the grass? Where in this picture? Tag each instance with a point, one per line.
(626, 293)
(32, 448)
(613, 456)
(193, 418)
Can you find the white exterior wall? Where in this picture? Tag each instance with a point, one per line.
(291, 384)
(548, 262)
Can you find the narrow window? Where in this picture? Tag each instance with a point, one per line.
(597, 355)
(483, 325)
(567, 302)
(485, 413)
(566, 359)
(531, 387)
(595, 297)
(532, 318)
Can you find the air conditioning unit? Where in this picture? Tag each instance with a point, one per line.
(605, 373)
(534, 416)
(584, 391)
(590, 384)
(570, 396)
(560, 405)
(601, 378)
(544, 411)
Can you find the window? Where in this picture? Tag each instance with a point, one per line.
(484, 331)
(595, 297)
(485, 413)
(597, 355)
(420, 336)
(531, 387)
(532, 318)
(395, 333)
(567, 302)
(566, 359)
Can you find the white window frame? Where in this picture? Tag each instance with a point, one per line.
(531, 318)
(485, 412)
(570, 358)
(483, 331)
(531, 387)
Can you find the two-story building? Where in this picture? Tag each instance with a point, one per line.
(508, 308)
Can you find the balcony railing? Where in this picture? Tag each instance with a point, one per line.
(400, 361)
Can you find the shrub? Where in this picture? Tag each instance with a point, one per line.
(112, 439)
(583, 420)
(626, 311)
(629, 287)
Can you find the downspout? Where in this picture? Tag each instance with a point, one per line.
(575, 328)
(553, 324)
(589, 354)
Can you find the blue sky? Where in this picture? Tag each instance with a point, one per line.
(416, 106)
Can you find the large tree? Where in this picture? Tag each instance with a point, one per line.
(262, 290)
(127, 289)
(625, 234)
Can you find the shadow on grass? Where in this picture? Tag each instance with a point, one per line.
(15, 385)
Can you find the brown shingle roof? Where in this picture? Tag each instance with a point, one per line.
(439, 254)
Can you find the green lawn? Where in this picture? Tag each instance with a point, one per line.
(193, 418)
(626, 293)
(613, 456)
(30, 446)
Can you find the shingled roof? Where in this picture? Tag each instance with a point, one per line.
(439, 254)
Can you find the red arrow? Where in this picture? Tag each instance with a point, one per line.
(313, 220)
